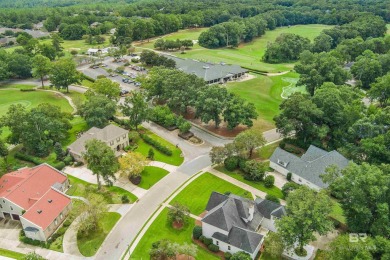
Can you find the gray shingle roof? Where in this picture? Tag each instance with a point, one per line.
(205, 70)
(215, 199)
(311, 165)
(240, 238)
(106, 134)
(266, 207)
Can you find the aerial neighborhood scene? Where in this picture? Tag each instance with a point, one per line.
(164, 130)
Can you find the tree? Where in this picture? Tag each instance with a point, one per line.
(33, 256)
(380, 90)
(60, 154)
(177, 214)
(92, 213)
(307, 213)
(19, 65)
(322, 43)
(273, 245)
(248, 141)
(357, 186)
(136, 108)
(163, 249)
(57, 42)
(4, 153)
(41, 67)
(132, 164)
(101, 160)
(238, 111)
(97, 110)
(367, 68)
(64, 73)
(188, 250)
(107, 87)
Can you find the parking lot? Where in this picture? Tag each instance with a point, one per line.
(109, 63)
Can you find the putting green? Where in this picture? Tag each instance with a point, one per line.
(292, 87)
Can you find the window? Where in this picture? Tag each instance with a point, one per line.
(284, 164)
(112, 143)
(118, 139)
(61, 216)
(217, 243)
(124, 137)
(11, 208)
(299, 180)
(55, 222)
(228, 247)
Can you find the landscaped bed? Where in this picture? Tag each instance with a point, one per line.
(255, 184)
(175, 159)
(196, 195)
(160, 229)
(112, 194)
(89, 245)
(151, 175)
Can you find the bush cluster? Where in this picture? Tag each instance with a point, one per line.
(213, 248)
(29, 241)
(37, 161)
(197, 232)
(165, 150)
(273, 198)
(269, 181)
(228, 255)
(163, 116)
(125, 199)
(231, 163)
(27, 89)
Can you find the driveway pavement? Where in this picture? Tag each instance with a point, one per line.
(9, 229)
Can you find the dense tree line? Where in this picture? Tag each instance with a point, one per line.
(151, 58)
(212, 103)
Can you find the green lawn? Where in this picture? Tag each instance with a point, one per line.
(10, 254)
(265, 93)
(255, 184)
(89, 245)
(196, 195)
(162, 229)
(111, 194)
(176, 158)
(78, 125)
(250, 54)
(151, 175)
(18, 86)
(337, 212)
(265, 152)
(86, 83)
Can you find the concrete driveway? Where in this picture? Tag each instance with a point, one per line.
(9, 229)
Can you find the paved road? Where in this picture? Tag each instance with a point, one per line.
(129, 226)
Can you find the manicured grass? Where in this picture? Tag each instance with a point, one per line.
(265, 152)
(162, 229)
(255, 184)
(196, 195)
(18, 86)
(86, 83)
(188, 34)
(337, 212)
(10, 254)
(176, 158)
(265, 93)
(250, 54)
(89, 245)
(151, 175)
(112, 194)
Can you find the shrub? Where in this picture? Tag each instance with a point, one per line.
(68, 160)
(255, 170)
(59, 166)
(202, 238)
(28, 158)
(197, 232)
(184, 127)
(165, 150)
(289, 176)
(151, 154)
(207, 241)
(101, 77)
(269, 181)
(78, 164)
(125, 199)
(273, 198)
(228, 255)
(67, 222)
(289, 187)
(282, 144)
(27, 89)
(242, 164)
(213, 248)
(231, 163)
(134, 60)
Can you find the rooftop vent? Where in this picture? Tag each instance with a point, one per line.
(39, 211)
(50, 201)
(206, 67)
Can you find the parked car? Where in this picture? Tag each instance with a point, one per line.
(124, 92)
(137, 84)
(103, 65)
(125, 80)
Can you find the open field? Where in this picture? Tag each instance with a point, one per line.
(196, 195)
(265, 93)
(247, 54)
(89, 245)
(151, 175)
(188, 34)
(162, 229)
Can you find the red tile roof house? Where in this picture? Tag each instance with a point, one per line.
(36, 197)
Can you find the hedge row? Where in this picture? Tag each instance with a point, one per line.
(27, 89)
(37, 161)
(165, 150)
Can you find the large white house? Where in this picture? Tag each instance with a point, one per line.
(115, 137)
(238, 224)
(35, 196)
(308, 168)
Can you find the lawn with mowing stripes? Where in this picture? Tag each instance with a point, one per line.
(10, 254)
(151, 175)
(196, 195)
(162, 229)
(255, 184)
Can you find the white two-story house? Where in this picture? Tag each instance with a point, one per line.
(238, 224)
